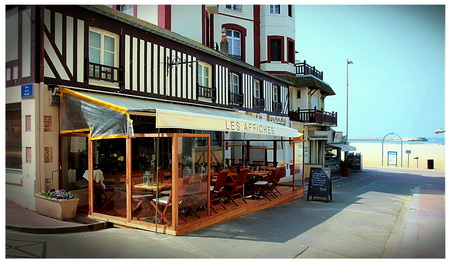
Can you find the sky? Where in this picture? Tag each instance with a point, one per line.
(396, 82)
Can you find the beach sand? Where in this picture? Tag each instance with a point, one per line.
(371, 153)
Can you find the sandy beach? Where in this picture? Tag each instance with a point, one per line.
(371, 153)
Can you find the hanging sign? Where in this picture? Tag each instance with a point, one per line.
(320, 183)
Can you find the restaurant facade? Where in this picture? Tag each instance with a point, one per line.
(140, 121)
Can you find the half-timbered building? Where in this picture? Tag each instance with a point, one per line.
(103, 104)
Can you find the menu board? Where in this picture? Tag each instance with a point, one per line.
(320, 183)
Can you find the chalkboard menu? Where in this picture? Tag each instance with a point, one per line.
(320, 183)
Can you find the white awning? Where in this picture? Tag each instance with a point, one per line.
(168, 115)
(343, 147)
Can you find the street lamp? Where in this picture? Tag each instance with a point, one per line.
(346, 122)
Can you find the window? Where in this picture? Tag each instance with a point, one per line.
(291, 51)
(274, 9)
(127, 9)
(276, 93)
(299, 94)
(103, 55)
(257, 88)
(204, 74)
(290, 10)
(275, 49)
(13, 138)
(234, 7)
(234, 43)
(235, 83)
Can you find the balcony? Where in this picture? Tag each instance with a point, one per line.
(206, 92)
(105, 73)
(237, 99)
(277, 107)
(303, 68)
(258, 103)
(314, 116)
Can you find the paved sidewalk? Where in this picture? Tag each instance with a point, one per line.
(21, 219)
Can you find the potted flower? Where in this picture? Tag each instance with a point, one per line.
(58, 204)
(345, 166)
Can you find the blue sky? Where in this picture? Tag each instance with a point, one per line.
(396, 83)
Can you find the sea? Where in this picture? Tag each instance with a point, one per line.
(431, 140)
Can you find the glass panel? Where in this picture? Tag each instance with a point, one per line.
(108, 59)
(74, 165)
(94, 55)
(108, 43)
(193, 183)
(109, 177)
(94, 39)
(13, 127)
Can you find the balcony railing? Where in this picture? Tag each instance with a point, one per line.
(237, 98)
(258, 103)
(105, 73)
(277, 107)
(314, 116)
(306, 69)
(206, 92)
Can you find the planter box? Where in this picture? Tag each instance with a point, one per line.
(59, 209)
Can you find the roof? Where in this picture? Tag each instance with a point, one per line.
(162, 32)
(309, 81)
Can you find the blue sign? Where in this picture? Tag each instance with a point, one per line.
(408, 151)
(27, 91)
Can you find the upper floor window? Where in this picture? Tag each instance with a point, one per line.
(257, 88)
(276, 48)
(290, 10)
(103, 55)
(234, 83)
(274, 9)
(234, 39)
(204, 74)
(291, 51)
(127, 9)
(234, 7)
(236, 97)
(276, 93)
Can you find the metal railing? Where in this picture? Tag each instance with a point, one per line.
(306, 69)
(236, 98)
(314, 116)
(105, 73)
(206, 92)
(258, 103)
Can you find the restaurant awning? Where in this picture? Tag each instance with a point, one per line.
(108, 116)
(344, 147)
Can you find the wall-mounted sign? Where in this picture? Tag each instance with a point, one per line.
(337, 137)
(281, 120)
(27, 91)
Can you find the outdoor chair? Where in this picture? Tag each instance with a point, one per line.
(235, 189)
(166, 203)
(262, 188)
(139, 196)
(272, 190)
(217, 190)
(104, 196)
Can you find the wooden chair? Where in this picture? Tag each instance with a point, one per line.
(217, 191)
(234, 189)
(104, 196)
(262, 188)
(273, 187)
(166, 203)
(139, 196)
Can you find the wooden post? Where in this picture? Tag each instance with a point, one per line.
(91, 176)
(128, 169)
(175, 181)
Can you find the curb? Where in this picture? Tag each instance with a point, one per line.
(61, 230)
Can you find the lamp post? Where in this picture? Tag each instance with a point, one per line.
(346, 122)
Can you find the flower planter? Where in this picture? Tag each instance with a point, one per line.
(62, 209)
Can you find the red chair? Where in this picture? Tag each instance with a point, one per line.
(262, 188)
(234, 189)
(217, 191)
(273, 187)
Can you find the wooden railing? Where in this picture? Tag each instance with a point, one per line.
(105, 73)
(314, 116)
(258, 103)
(206, 92)
(236, 98)
(277, 107)
(306, 69)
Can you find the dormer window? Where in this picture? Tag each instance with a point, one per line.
(274, 9)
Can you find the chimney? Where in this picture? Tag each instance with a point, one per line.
(224, 42)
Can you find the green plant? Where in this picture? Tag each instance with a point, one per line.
(58, 194)
(345, 164)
